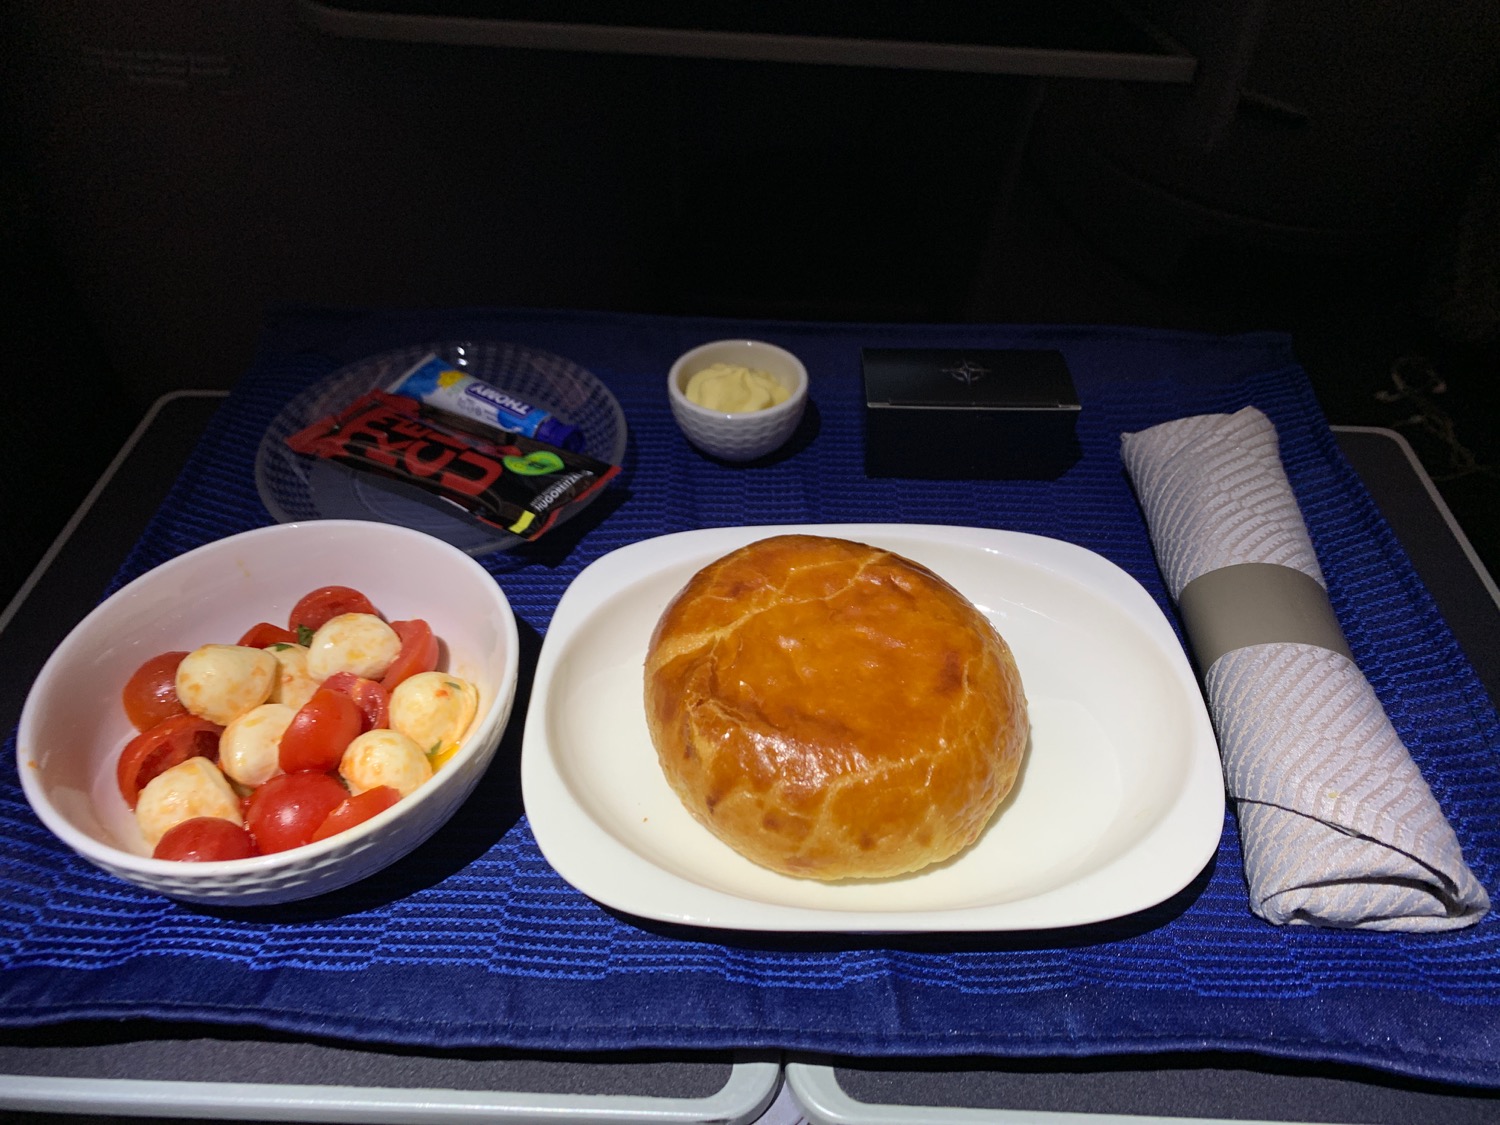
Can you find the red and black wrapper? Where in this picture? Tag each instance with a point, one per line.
(508, 481)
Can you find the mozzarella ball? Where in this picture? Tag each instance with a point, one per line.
(187, 790)
(434, 710)
(352, 642)
(221, 682)
(294, 686)
(384, 757)
(250, 747)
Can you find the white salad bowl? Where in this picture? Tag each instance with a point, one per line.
(73, 725)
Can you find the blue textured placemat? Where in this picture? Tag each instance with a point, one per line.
(475, 941)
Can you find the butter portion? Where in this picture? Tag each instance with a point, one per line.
(733, 389)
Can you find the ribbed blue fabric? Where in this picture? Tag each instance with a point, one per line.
(475, 941)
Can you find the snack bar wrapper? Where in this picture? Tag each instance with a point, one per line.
(507, 480)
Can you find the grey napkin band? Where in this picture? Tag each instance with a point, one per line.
(1255, 604)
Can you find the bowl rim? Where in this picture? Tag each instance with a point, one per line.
(793, 401)
(116, 859)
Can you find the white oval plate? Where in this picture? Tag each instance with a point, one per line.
(1119, 805)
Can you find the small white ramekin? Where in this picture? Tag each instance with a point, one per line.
(746, 435)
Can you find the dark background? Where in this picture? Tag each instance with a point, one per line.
(171, 168)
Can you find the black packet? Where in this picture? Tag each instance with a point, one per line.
(506, 480)
(969, 414)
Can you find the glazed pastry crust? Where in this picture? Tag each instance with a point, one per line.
(832, 710)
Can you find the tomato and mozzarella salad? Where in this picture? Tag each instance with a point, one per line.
(290, 735)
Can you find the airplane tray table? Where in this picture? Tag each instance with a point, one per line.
(1097, 363)
(145, 1068)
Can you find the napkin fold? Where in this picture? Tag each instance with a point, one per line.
(1337, 825)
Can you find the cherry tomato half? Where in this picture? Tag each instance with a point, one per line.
(319, 731)
(150, 695)
(327, 601)
(356, 809)
(419, 652)
(373, 701)
(205, 839)
(169, 743)
(286, 811)
(264, 635)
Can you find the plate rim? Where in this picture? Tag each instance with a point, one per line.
(565, 831)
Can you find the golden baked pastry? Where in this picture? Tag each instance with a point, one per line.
(832, 710)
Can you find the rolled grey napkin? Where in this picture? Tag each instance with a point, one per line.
(1337, 826)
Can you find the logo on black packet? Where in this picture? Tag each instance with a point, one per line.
(967, 372)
